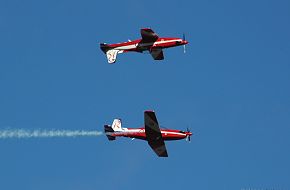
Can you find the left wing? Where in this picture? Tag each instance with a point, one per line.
(157, 54)
(148, 35)
(153, 134)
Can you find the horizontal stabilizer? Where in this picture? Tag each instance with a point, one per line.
(105, 47)
(108, 132)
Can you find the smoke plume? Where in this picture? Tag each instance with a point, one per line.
(24, 133)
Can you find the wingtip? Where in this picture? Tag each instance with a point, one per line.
(149, 111)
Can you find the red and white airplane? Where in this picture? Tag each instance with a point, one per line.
(151, 132)
(150, 41)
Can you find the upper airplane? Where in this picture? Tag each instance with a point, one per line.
(152, 133)
(150, 41)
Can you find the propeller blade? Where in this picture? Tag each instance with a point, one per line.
(188, 136)
(183, 38)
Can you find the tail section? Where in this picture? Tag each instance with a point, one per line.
(105, 47)
(117, 125)
(108, 132)
(112, 55)
(110, 52)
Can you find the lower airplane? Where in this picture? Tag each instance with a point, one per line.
(151, 133)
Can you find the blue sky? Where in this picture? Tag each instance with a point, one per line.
(231, 88)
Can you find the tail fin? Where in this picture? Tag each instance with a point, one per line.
(110, 52)
(117, 125)
(112, 55)
(108, 131)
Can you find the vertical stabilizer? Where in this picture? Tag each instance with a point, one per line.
(117, 125)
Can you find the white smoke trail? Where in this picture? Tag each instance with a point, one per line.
(23, 133)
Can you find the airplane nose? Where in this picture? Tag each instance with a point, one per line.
(185, 42)
(188, 134)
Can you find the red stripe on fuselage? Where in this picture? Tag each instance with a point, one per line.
(139, 133)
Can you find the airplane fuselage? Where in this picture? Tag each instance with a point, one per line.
(139, 133)
(150, 41)
(140, 46)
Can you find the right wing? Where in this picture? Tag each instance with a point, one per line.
(153, 134)
(148, 35)
(157, 54)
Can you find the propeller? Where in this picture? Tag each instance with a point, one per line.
(183, 38)
(188, 136)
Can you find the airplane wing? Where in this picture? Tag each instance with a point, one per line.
(148, 35)
(157, 54)
(153, 134)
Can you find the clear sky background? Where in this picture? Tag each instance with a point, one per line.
(232, 88)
